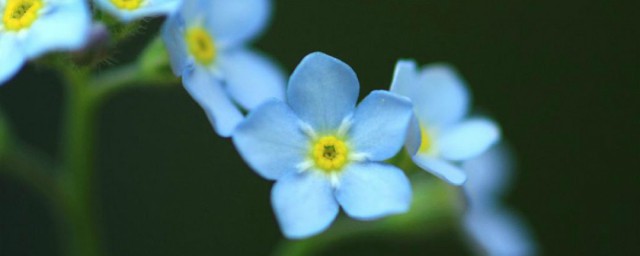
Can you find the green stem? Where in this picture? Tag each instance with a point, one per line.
(131, 75)
(31, 167)
(77, 178)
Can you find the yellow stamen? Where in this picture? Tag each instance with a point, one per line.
(426, 143)
(129, 5)
(329, 153)
(201, 45)
(20, 14)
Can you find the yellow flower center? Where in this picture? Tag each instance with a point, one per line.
(127, 4)
(329, 153)
(20, 14)
(426, 143)
(201, 45)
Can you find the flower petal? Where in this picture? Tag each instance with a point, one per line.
(304, 204)
(271, 141)
(444, 170)
(237, 21)
(414, 136)
(372, 190)
(323, 91)
(439, 95)
(380, 125)
(208, 92)
(150, 8)
(65, 26)
(12, 58)
(499, 232)
(173, 39)
(488, 175)
(405, 77)
(252, 78)
(468, 139)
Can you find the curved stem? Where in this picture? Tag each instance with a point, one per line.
(77, 179)
(114, 80)
(33, 168)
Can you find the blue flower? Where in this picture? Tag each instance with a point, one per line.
(206, 42)
(128, 10)
(441, 134)
(324, 152)
(30, 28)
(494, 228)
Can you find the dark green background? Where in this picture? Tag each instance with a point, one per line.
(561, 77)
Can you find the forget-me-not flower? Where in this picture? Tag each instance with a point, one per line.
(206, 42)
(442, 134)
(324, 152)
(496, 230)
(128, 10)
(30, 28)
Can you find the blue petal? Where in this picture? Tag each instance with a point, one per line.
(173, 37)
(237, 21)
(252, 78)
(488, 175)
(439, 95)
(500, 233)
(323, 91)
(414, 136)
(468, 139)
(380, 125)
(64, 26)
(372, 190)
(11, 56)
(208, 92)
(444, 170)
(304, 204)
(271, 141)
(150, 8)
(405, 78)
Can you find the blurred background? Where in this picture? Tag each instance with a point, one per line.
(559, 76)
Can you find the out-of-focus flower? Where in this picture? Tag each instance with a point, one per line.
(494, 228)
(128, 10)
(30, 28)
(206, 42)
(441, 134)
(324, 152)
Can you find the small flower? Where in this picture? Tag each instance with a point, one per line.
(324, 152)
(129, 10)
(206, 42)
(441, 134)
(30, 28)
(494, 228)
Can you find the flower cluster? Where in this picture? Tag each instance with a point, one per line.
(324, 153)
(205, 39)
(323, 150)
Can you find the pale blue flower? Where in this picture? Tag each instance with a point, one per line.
(30, 28)
(128, 10)
(441, 134)
(495, 229)
(207, 41)
(324, 152)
